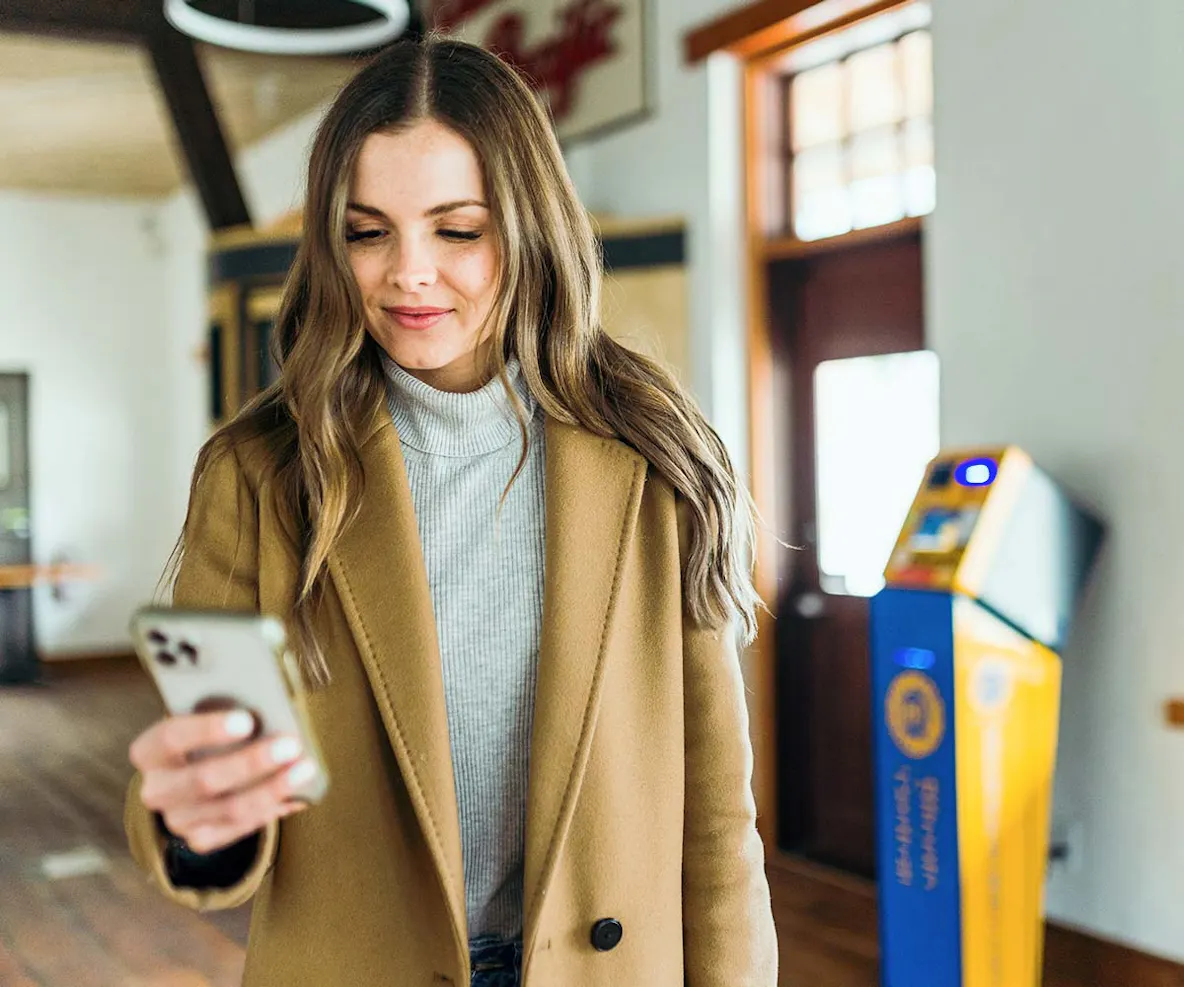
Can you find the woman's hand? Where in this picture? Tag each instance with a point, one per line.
(210, 783)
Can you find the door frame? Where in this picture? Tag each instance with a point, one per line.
(757, 35)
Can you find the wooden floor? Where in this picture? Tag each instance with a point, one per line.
(63, 769)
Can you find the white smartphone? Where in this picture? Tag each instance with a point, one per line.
(212, 660)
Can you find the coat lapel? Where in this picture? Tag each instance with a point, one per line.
(379, 573)
(593, 494)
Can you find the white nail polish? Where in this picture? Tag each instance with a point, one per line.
(285, 749)
(239, 724)
(301, 774)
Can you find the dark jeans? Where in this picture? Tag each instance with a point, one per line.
(496, 962)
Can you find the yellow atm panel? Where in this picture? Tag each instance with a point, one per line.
(981, 590)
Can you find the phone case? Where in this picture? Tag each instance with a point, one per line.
(208, 660)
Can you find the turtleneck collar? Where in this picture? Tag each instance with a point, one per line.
(445, 423)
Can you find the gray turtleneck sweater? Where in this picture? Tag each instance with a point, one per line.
(485, 572)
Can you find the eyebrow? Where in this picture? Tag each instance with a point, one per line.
(440, 210)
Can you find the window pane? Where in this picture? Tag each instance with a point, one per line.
(919, 176)
(875, 88)
(868, 113)
(816, 105)
(876, 428)
(877, 194)
(821, 204)
(916, 56)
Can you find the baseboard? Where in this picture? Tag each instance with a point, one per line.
(804, 867)
(1081, 955)
(62, 664)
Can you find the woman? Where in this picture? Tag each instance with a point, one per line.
(509, 554)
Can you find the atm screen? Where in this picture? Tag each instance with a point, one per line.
(943, 530)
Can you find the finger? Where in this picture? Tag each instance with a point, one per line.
(244, 812)
(212, 837)
(216, 836)
(235, 813)
(217, 776)
(173, 741)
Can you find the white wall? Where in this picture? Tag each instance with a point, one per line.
(272, 171)
(184, 314)
(1056, 306)
(82, 292)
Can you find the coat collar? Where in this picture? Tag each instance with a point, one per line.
(593, 493)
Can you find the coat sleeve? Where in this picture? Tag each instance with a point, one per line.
(728, 934)
(219, 568)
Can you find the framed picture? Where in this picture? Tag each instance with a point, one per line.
(586, 58)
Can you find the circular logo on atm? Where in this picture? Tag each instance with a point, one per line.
(915, 714)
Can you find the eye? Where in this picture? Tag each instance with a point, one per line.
(465, 235)
(357, 236)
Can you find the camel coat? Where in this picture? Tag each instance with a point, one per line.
(640, 806)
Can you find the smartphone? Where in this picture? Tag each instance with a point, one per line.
(205, 661)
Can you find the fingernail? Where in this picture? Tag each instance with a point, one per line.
(285, 749)
(301, 773)
(239, 724)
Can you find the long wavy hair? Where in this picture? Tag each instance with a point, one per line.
(545, 314)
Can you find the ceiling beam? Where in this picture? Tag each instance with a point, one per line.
(91, 20)
(196, 124)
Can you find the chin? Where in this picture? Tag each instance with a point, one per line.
(422, 354)
(429, 349)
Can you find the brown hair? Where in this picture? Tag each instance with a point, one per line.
(546, 314)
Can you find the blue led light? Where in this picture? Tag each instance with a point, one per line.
(919, 658)
(977, 472)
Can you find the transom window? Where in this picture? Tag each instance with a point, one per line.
(858, 113)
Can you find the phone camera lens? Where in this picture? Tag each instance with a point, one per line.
(166, 658)
(188, 652)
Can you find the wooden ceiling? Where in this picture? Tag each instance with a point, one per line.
(105, 97)
(91, 118)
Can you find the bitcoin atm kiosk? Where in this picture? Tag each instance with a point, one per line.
(966, 638)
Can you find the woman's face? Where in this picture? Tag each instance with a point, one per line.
(422, 249)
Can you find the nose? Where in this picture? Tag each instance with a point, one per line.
(412, 266)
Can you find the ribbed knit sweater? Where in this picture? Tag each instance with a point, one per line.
(485, 572)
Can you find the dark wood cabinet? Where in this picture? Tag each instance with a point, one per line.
(246, 272)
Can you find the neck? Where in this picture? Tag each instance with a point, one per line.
(463, 375)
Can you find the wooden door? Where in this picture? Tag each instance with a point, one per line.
(858, 301)
(14, 470)
(18, 662)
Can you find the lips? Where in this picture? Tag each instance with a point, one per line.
(417, 317)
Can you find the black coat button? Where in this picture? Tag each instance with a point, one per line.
(606, 934)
